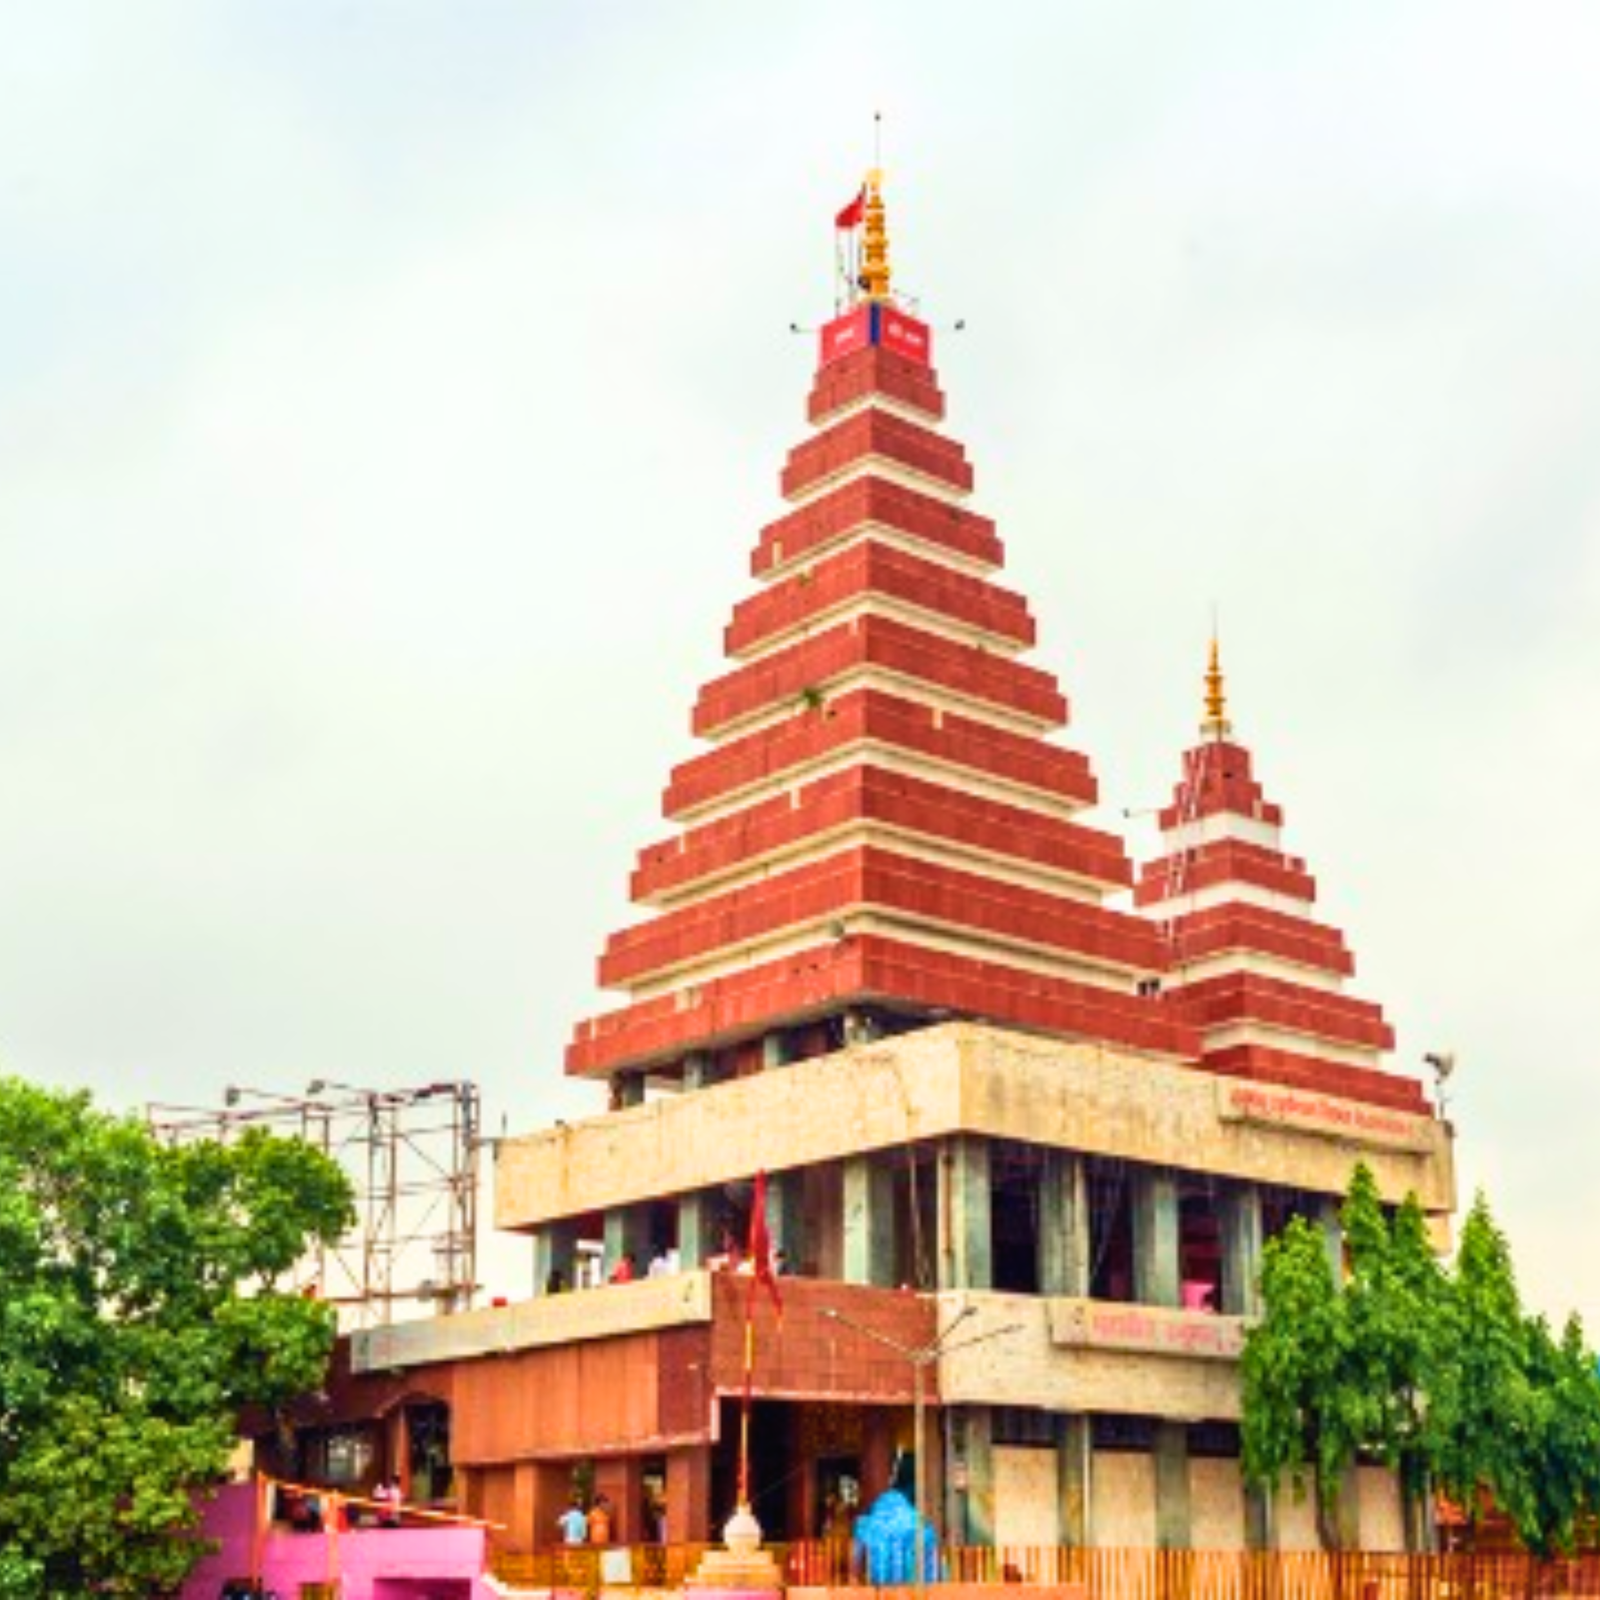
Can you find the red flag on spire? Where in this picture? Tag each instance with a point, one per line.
(761, 1246)
(851, 216)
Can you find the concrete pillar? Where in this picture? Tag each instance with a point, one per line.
(868, 1207)
(555, 1250)
(467, 1486)
(786, 1214)
(977, 1452)
(628, 1229)
(522, 1529)
(697, 1070)
(1075, 1477)
(1172, 1486)
(627, 1089)
(1239, 1215)
(1063, 1225)
(1155, 1237)
(689, 1495)
(694, 1228)
(544, 1258)
(776, 1050)
(1327, 1216)
(965, 1233)
(1259, 1531)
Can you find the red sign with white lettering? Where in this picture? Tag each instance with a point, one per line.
(904, 335)
(844, 334)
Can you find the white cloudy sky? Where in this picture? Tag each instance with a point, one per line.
(390, 396)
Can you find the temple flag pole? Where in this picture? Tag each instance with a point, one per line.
(744, 1406)
(760, 1257)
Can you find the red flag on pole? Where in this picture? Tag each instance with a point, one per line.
(761, 1245)
(851, 216)
(759, 1258)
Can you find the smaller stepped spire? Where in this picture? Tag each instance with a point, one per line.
(1251, 969)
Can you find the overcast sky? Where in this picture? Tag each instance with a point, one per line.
(390, 396)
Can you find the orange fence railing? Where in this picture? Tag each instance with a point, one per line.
(1095, 1574)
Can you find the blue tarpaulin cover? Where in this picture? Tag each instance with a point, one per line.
(885, 1539)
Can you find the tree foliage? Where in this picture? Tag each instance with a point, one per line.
(143, 1301)
(1438, 1375)
(1300, 1415)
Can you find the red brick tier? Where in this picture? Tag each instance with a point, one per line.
(1240, 926)
(1217, 779)
(1223, 861)
(851, 506)
(878, 569)
(874, 370)
(890, 645)
(869, 969)
(842, 445)
(894, 799)
(1262, 1064)
(869, 714)
(879, 878)
(1237, 997)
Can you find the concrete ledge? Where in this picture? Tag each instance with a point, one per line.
(552, 1319)
(964, 1077)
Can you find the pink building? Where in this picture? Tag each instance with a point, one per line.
(436, 1563)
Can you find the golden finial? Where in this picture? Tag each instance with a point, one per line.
(1216, 723)
(875, 242)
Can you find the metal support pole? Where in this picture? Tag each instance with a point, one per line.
(919, 1574)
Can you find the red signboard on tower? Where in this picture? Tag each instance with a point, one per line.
(902, 334)
(845, 334)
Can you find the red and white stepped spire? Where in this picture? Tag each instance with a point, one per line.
(1249, 967)
(881, 824)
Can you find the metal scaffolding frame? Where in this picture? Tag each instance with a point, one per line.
(412, 1157)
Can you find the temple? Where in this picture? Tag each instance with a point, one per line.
(1007, 1092)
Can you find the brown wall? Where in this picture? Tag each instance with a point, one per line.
(597, 1397)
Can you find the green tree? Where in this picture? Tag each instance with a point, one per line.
(1480, 1401)
(1341, 1367)
(1304, 1411)
(1394, 1298)
(142, 1303)
(1561, 1472)
(1515, 1414)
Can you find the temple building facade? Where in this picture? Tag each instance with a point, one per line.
(1011, 1093)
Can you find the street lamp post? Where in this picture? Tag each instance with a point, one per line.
(921, 1357)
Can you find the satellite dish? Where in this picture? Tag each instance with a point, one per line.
(1443, 1063)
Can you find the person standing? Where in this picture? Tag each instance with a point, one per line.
(574, 1525)
(389, 1499)
(600, 1521)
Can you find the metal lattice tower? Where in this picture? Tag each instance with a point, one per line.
(412, 1159)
